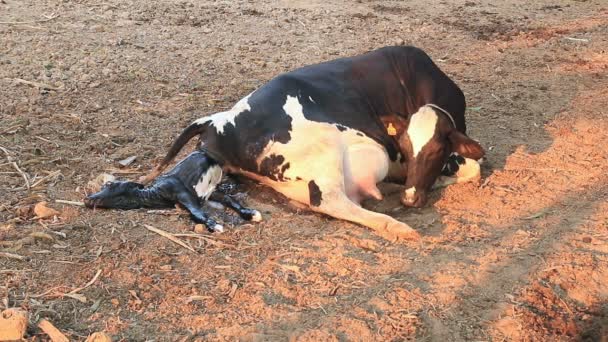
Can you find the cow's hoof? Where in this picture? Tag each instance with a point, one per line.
(399, 231)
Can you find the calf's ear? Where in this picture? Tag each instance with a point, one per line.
(465, 146)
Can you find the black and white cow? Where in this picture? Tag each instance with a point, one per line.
(326, 134)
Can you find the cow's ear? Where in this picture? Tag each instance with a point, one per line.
(466, 146)
(394, 124)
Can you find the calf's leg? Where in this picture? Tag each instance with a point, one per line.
(245, 213)
(192, 204)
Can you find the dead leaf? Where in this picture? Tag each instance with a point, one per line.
(42, 211)
(98, 337)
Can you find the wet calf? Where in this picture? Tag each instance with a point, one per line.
(192, 181)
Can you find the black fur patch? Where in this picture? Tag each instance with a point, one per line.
(452, 164)
(315, 193)
(271, 167)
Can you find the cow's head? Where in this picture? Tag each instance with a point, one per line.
(426, 142)
(117, 195)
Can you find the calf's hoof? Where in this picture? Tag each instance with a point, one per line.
(251, 215)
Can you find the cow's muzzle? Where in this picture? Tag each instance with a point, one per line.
(414, 198)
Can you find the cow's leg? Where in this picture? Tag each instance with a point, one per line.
(246, 213)
(328, 197)
(336, 203)
(192, 204)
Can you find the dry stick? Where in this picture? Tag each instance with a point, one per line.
(80, 204)
(87, 284)
(35, 84)
(51, 175)
(47, 140)
(49, 18)
(169, 236)
(16, 167)
(204, 238)
(13, 256)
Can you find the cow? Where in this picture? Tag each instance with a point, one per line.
(194, 180)
(326, 134)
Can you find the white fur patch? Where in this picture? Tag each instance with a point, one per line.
(206, 185)
(315, 146)
(421, 128)
(409, 194)
(221, 119)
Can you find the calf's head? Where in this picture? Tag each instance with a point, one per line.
(117, 195)
(426, 141)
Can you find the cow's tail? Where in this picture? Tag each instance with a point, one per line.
(194, 129)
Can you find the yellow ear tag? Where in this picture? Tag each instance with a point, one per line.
(391, 130)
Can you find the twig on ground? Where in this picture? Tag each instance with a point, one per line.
(16, 167)
(47, 140)
(12, 256)
(202, 237)
(80, 204)
(87, 284)
(15, 271)
(50, 175)
(577, 39)
(36, 84)
(48, 18)
(169, 236)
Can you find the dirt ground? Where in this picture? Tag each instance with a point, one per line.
(521, 256)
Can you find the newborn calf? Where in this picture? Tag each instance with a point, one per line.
(191, 182)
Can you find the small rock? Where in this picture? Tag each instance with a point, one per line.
(399, 41)
(587, 239)
(199, 229)
(13, 323)
(166, 267)
(42, 211)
